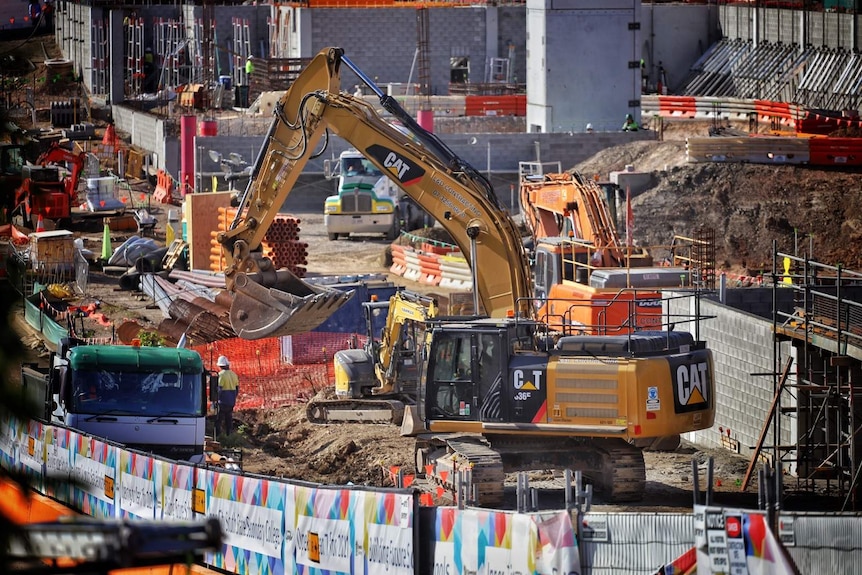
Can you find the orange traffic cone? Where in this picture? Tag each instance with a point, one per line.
(40, 225)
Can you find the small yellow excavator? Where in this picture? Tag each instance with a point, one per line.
(375, 383)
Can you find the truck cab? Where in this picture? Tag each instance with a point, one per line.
(367, 201)
(151, 399)
(364, 202)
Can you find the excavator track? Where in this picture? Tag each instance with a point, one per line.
(389, 411)
(473, 454)
(614, 467)
(623, 472)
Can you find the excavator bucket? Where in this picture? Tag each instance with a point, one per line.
(287, 307)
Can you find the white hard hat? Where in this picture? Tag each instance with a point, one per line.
(222, 361)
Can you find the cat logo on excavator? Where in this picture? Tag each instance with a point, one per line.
(399, 167)
(692, 385)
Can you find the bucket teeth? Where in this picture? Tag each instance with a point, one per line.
(260, 311)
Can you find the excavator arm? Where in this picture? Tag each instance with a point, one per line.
(559, 203)
(57, 154)
(450, 190)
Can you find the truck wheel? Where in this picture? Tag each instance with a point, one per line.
(332, 237)
(393, 232)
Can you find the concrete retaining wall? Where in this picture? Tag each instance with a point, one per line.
(742, 346)
(506, 150)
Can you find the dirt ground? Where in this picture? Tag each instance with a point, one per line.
(749, 206)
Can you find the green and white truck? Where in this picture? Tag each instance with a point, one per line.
(367, 201)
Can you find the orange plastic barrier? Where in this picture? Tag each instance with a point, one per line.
(781, 111)
(835, 151)
(164, 187)
(429, 266)
(399, 264)
(814, 123)
(679, 106)
(510, 105)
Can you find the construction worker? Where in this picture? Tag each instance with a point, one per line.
(48, 15)
(149, 70)
(34, 10)
(630, 125)
(228, 389)
(245, 97)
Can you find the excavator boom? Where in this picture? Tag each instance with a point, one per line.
(419, 163)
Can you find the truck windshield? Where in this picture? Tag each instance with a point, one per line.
(359, 167)
(141, 394)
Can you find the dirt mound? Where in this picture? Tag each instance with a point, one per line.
(282, 443)
(805, 211)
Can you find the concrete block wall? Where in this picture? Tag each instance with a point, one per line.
(382, 41)
(742, 345)
(506, 150)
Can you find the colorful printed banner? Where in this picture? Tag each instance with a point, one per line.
(387, 542)
(737, 542)
(251, 512)
(174, 490)
(94, 468)
(273, 528)
(30, 454)
(136, 493)
(497, 542)
(58, 463)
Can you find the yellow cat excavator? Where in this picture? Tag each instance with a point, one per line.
(374, 384)
(494, 394)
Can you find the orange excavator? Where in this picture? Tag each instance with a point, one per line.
(564, 204)
(44, 191)
(586, 278)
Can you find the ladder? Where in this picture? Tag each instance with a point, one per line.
(134, 56)
(241, 50)
(498, 71)
(170, 42)
(279, 33)
(99, 71)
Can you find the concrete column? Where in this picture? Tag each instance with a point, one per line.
(492, 34)
(116, 47)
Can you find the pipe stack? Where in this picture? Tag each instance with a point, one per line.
(280, 243)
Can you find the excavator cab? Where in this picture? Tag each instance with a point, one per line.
(468, 370)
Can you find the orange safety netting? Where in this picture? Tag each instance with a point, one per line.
(280, 371)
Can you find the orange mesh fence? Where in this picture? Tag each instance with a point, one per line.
(280, 371)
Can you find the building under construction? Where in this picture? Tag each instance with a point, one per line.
(818, 392)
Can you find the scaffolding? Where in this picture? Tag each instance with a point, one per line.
(822, 397)
(100, 71)
(170, 46)
(241, 50)
(134, 30)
